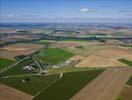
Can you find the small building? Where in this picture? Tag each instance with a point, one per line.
(28, 68)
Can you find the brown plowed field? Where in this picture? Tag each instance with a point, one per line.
(106, 86)
(7, 93)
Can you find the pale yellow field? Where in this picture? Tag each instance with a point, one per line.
(11, 51)
(116, 52)
(99, 61)
(129, 58)
(102, 56)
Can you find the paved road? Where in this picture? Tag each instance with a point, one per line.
(106, 86)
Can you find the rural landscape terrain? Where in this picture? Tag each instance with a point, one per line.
(64, 63)
(65, 49)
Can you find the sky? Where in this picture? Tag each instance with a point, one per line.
(66, 11)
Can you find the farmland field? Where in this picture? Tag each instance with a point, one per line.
(44, 42)
(68, 85)
(126, 94)
(62, 89)
(34, 85)
(5, 62)
(54, 55)
(13, 50)
(127, 62)
(100, 62)
(8, 93)
(103, 55)
(86, 50)
(126, 45)
(129, 82)
(17, 69)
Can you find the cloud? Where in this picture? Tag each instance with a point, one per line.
(85, 10)
(11, 15)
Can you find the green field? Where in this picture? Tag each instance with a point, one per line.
(126, 45)
(129, 82)
(127, 62)
(17, 69)
(117, 34)
(68, 85)
(62, 89)
(44, 42)
(54, 55)
(34, 85)
(5, 62)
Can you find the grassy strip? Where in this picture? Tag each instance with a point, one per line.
(79, 40)
(54, 55)
(5, 62)
(33, 86)
(68, 85)
(127, 62)
(68, 69)
(42, 42)
(126, 45)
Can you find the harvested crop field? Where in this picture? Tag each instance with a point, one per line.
(77, 58)
(8, 93)
(99, 61)
(62, 44)
(106, 57)
(129, 58)
(87, 50)
(115, 52)
(22, 47)
(11, 51)
(106, 86)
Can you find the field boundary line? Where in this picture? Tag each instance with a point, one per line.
(44, 89)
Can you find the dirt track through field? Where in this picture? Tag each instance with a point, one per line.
(106, 86)
(7, 93)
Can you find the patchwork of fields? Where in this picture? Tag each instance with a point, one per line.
(91, 57)
(60, 90)
(103, 55)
